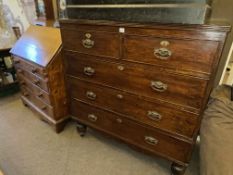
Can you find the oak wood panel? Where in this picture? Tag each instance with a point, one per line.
(195, 55)
(130, 131)
(38, 44)
(42, 83)
(20, 63)
(41, 94)
(182, 90)
(170, 118)
(104, 43)
(47, 109)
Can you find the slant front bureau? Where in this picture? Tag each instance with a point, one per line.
(38, 61)
(146, 85)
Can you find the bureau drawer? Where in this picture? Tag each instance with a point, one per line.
(38, 92)
(92, 42)
(131, 132)
(46, 109)
(43, 84)
(187, 55)
(21, 64)
(160, 115)
(149, 81)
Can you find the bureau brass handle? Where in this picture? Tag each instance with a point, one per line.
(17, 61)
(121, 68)
(34, 70)
(44, 108)
(119, 96)
(87, 42)
(154, 115)
(25, 94)
(91, 95)
(89, 71)
(40, 95)
(119, 120)
(158, 86)
(92, 117)
(162, 53)
(151, 140)
(37, 82)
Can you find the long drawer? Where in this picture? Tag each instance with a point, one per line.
(38, 92)
(150, 81)
(42, 83)
(188, 55)
(131, 132)
(92, 42)
(21, 64)
(160, 115)
(46, 109)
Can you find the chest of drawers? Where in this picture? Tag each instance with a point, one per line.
(146, 85)
(41, 76)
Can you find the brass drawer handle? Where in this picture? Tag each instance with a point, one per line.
(119, 120)
(119, 96)
(158, 86)
(44, 108)
(91, 95)
(162, 53)
(87, 42)
(121, 68)
(89, 71)
(40, 95)
(154, 115)
(36, 82)
(92, 117)
(151, 140)
(34, 70)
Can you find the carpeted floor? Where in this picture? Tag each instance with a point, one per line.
(29, 147)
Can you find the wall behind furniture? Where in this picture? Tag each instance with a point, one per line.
(222, 11)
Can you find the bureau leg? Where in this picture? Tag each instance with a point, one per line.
(59, 127)
(177, 169)
(81, 128)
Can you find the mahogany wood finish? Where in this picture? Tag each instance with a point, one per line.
(38, 61)
(146, 85)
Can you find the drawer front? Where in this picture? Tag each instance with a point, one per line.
(22, 64)
(156, 114)
(43, 84)
(48, 110)
(38, 92)
(151, 82)
(130, 131)
(188, 55)
(92, 42)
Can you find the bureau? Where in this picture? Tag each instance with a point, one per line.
(146, 85)
(38, 62)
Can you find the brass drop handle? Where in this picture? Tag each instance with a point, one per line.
(25, 94)
(158, 86)
(17, 61)
(154, 115)
(92, 117)
(87, 42)
(162, 53)
(40, 95)
(91, 95)
(44, 108)
(37, 82)
(119, 96)
(151, 140)
(89, 71)
(34, 70)
(119, 120)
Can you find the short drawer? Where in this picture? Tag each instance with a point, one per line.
(131, 132)
(46, 109)
(41, 94)
(156, 114)
(42, 83)
(185, 55)
(150, 81)
(92, 42)
(22, 64)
